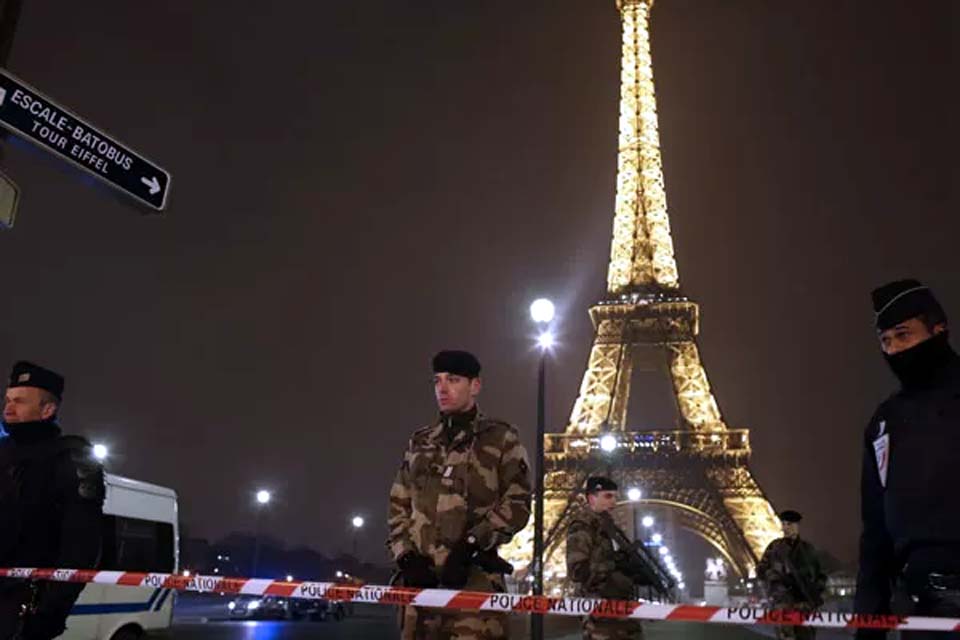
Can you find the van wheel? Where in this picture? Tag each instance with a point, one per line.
(127, 633)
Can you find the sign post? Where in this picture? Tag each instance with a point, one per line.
(9, 199)
(35, 117)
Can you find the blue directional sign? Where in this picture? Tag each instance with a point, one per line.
(35, 117)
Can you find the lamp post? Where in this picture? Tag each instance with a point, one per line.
(542, 312)
(357, 523)
(263, 499)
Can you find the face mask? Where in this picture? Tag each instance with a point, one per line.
(919, 365)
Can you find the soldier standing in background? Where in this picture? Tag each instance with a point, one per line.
(791, 574)
(593, 562)
(463, 489)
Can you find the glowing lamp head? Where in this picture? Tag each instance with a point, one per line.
(545, 341)
(542, 311)
(608, 443)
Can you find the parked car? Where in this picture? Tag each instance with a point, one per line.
(258, 608)
(277, 608)
(317, 610)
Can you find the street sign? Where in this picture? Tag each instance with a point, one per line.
(35, 117)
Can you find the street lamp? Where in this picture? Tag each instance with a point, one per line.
(357, 523)
(263, 498)
(100, 452)
(542, 312)
(545, 341)
(608, 443)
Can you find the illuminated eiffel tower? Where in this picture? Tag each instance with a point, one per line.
(699, 469)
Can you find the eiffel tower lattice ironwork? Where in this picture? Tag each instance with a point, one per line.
(700, 468)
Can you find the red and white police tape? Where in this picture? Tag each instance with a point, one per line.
(503, 602)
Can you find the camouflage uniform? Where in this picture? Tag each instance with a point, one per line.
(458, 480)
(592, 566)
(791, 574)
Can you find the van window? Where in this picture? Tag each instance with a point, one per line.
(130, 544)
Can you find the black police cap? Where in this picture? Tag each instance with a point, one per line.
(27, 374)
(901, 300)
(790, 516)
(460, 363)
(600, 483)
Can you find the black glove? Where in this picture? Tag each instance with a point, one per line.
(417, 570)
(457, 567)
(491, 562)
(43, 626)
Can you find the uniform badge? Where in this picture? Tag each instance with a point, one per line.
(881, 449)
(23, 377)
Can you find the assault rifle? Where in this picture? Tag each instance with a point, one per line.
(636, 561)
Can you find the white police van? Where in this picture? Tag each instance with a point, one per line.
(140, 533)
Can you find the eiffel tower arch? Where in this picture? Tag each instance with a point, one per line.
(699, 466)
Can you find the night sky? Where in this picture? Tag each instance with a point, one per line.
(359, 184)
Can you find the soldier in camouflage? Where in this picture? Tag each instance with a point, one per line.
(593, 563)
(462, 490)
(791, 575)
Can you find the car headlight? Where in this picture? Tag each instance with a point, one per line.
(232, 605)
(253, 604)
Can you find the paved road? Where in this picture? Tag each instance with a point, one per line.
(203, 620)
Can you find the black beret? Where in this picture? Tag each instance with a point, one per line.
(600, 483)
(27, 374)
(459, 363)
(790, 516)
(901, 300)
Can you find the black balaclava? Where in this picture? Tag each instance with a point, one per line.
(901, 300)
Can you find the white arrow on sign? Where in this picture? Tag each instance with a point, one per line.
(153, 183)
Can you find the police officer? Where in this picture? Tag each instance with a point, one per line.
(462, 490)
(910, 505)
(592, 561)
(790, 571)
(51, 504)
